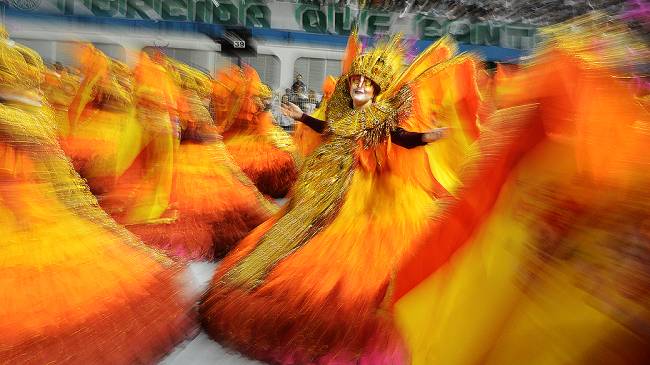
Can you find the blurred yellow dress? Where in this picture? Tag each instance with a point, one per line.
(263, 150)
(544, 257)
(75, 287)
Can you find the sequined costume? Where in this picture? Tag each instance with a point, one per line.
(263, 150)
(311, 285)
(75, 287)
(544, 257)
(216, 203)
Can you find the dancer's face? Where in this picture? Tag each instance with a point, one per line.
(362, 90)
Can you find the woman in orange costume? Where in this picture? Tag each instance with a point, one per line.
(76, 288)
(122, 141)
(311, 285)
(550, 234)
(217, 204)
(60, 88)
(102, 138)
(264, 151)
(141, 198)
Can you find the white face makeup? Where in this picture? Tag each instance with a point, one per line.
(361, 90)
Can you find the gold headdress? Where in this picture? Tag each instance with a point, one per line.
(190, 78)
(265, 91)
(383, 63)
(21, 69)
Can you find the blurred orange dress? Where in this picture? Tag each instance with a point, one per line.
(311, 285)
(75, 287)
(263, 150)
(102, 136)
(217, 204)
(128, 143)
(60, 88)
(544, 258)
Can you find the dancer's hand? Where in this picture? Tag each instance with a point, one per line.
(291, 110)
(435, 135)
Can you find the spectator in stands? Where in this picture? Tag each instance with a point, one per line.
(298, 84)
(312, 102)
(283, 121)
(299, 97)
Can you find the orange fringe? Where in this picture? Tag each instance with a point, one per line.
(272, 170)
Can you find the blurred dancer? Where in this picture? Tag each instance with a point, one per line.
(60, 88)
(217, 204)
(122, 139)
(311, 285)
(144, 190)
(264, 151)
(76, 287)
(544, 258)
(103, 135)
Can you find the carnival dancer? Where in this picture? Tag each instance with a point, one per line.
(263, 150)
(217, 204)
(141, 198)
(103, 135)
(60, 88)
(311, 285)
(76, 287)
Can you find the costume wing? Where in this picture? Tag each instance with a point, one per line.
(441, 92)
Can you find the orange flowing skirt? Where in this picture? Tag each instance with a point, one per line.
(271, 169)
(186, 200)
(549, 235)
(75, 287)
(216, 205)
(324, 303)
(93, 143)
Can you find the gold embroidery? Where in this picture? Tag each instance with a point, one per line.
(319, 192)
(372, 124)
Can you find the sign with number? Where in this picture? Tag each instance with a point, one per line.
(237, 41)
